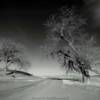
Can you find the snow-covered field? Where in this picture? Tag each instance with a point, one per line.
(47, 89)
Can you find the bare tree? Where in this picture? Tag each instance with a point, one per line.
(69, 41)
(12, 52)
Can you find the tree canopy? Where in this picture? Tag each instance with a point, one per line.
(13, 53)
(69, 41)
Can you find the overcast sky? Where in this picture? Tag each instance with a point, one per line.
(24, 21)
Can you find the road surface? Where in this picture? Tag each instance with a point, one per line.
(46, 89)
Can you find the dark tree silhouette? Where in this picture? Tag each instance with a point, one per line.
(69, 41)
(12, 52)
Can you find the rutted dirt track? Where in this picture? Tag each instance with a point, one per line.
(46, 89)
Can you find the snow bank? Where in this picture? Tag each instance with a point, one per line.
(92, 82)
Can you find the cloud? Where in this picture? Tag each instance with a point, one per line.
(93, 8)
(89, 1)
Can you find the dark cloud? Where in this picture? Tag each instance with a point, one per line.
(93, 10)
